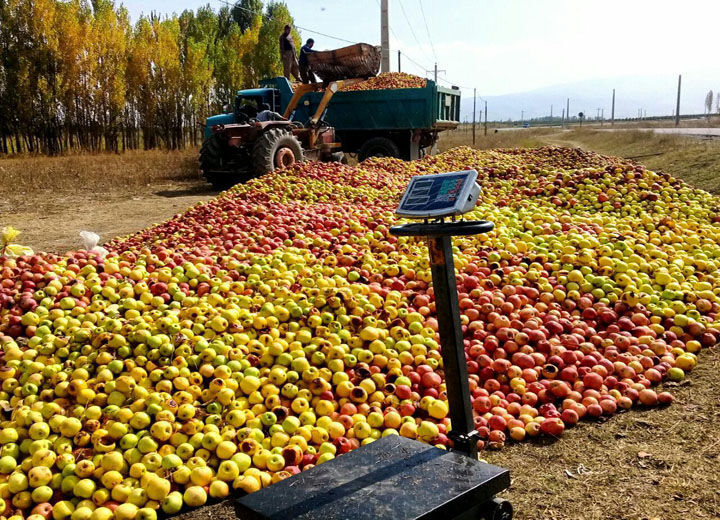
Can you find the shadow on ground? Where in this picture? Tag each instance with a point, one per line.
(200, 189)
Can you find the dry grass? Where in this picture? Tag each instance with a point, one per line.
(95, 172)
(669, 122)
(502, 139)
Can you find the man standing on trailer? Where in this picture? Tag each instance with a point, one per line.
(306, 73)
(287, 52)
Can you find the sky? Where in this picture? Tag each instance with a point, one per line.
(508, 46)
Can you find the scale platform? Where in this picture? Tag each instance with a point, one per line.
(394, 478)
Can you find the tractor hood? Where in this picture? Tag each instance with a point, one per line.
(254, 92)
(220, 119)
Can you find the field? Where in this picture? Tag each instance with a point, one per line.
(52, 199)
(642, 464)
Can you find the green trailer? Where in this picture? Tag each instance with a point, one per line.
(399, 123)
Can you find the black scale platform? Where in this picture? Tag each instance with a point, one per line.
(393, 478)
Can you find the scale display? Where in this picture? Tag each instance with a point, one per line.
(440, 195)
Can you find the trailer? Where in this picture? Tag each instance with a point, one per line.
(402, 123)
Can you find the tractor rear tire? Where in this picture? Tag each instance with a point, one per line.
(211, 164)
(276, 148)
(378, 147)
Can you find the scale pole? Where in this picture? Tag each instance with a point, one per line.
(442, 267)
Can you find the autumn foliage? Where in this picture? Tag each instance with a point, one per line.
(79, 75)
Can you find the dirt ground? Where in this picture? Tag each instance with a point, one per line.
(54, 223)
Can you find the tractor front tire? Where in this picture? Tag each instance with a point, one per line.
(211, 164)
(378, 147)
(276, 148)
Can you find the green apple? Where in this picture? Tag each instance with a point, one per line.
(173, 503)
(7, 464)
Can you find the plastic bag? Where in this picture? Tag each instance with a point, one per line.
(16, 250)
(90, 241)
(7, 235)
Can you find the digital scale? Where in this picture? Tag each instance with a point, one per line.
(395, 477)
(440, 195)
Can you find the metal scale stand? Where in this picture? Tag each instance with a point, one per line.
(395, 477)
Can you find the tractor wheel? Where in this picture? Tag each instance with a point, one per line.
(212, 164)
(378, 147)
(276, 148)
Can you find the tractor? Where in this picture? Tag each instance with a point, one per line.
(238, 151)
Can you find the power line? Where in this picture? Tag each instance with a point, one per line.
(409, 58)
(236, 6)
(423, 67)
(420, 46)
(323, 34)
(427, 29)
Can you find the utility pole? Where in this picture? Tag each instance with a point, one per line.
(399, 62)
(612, 113)
(551, 107)
(602, 116)
(474, 103)
(384, 36)
(567, 111)
(677, 108)
(562, 119)
(435, 71)
(522, 116)
(485, 117)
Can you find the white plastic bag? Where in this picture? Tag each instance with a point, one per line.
(90, 241)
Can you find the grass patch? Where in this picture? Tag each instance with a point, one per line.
(106, 171)
(526, 138)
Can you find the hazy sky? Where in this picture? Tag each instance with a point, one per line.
(504, 46)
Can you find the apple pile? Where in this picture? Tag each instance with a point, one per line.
(280, 325)
(388, 80)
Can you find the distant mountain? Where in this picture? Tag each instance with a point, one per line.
(656, 95)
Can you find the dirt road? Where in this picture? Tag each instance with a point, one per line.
(53, 223)
(706, 133)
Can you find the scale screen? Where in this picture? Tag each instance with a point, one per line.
(440, 195)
